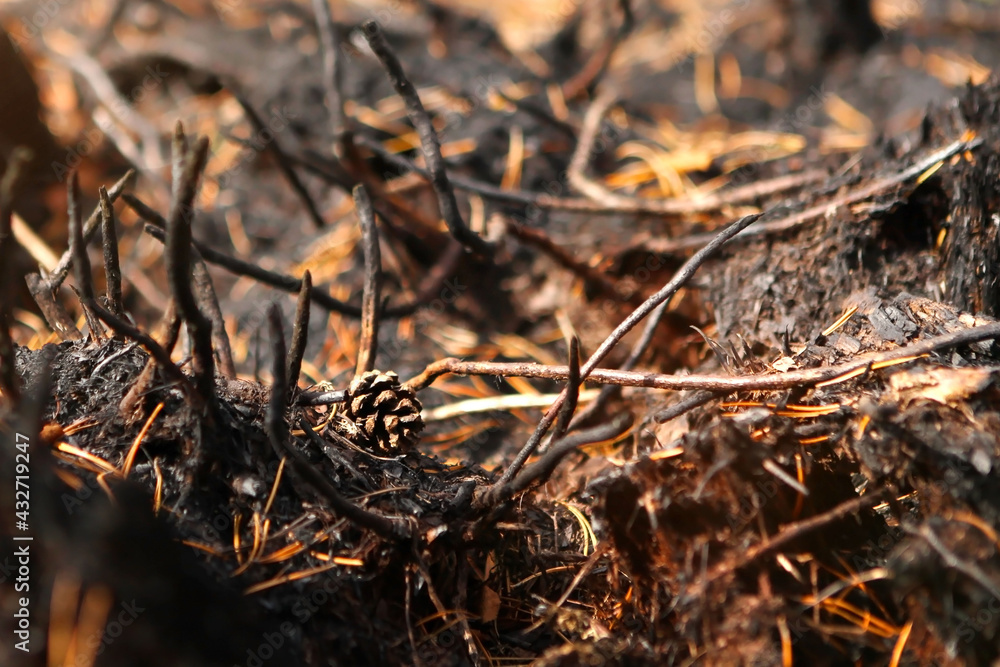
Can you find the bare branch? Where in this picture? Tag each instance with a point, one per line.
(333, 72)
(284, 164)
(81, 260)
(372, 300)
(66, 261)
(572, 390)
(178, 255)
(429, 141)
(112, 267)
(300, 335)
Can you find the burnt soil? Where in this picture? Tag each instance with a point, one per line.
(851, 521)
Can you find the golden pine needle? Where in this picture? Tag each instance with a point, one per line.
(897, 650)
(134, 449)
(67, 448)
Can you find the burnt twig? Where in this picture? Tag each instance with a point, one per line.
(576, 173)
(954, 561)
(300, 335)
(77, 244)
(794, 531)
(19, 161)
(428, 290)
(66, 261)
(572, 390)
(354, 170)
(121, 108)
(607, 392)
(725, 384)
(332, 73)
(112, 267)
(685, 404)
(208, 300)
(447, 203)
(322, 397)
(277, 428)
(178, 157)
(664, 294)
(284, 164)
(675, 206)
(541, 470)
(240, 267)
(81, 260)
(372, 299)
(178, 256)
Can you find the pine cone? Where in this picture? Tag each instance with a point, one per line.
(386, 414)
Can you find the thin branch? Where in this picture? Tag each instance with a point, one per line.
(178, 256)
(77, 244)
(429, 141)
(952, 560)
(664, 294)
(408, 615)
(576, 173)
(332, 73)
(81, 260)
(355, 170)
(178, 157)
(542, 469)
(66, 261)
(208, 300)
(429, 289)
(725, 384)
(16, 173)
(281, 158)
(540, 112)
(277, 428)
(794, 531)
(99, 80)
(112, 267)
(676, 206)
(607, 392)
(461, 602)
(788, 222)
(300, 336)
(572, 390)
(687, 403)
(683, 274)
(372, 299)
(240, 267)
(307, 398)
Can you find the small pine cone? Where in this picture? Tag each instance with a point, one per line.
(386, 414)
